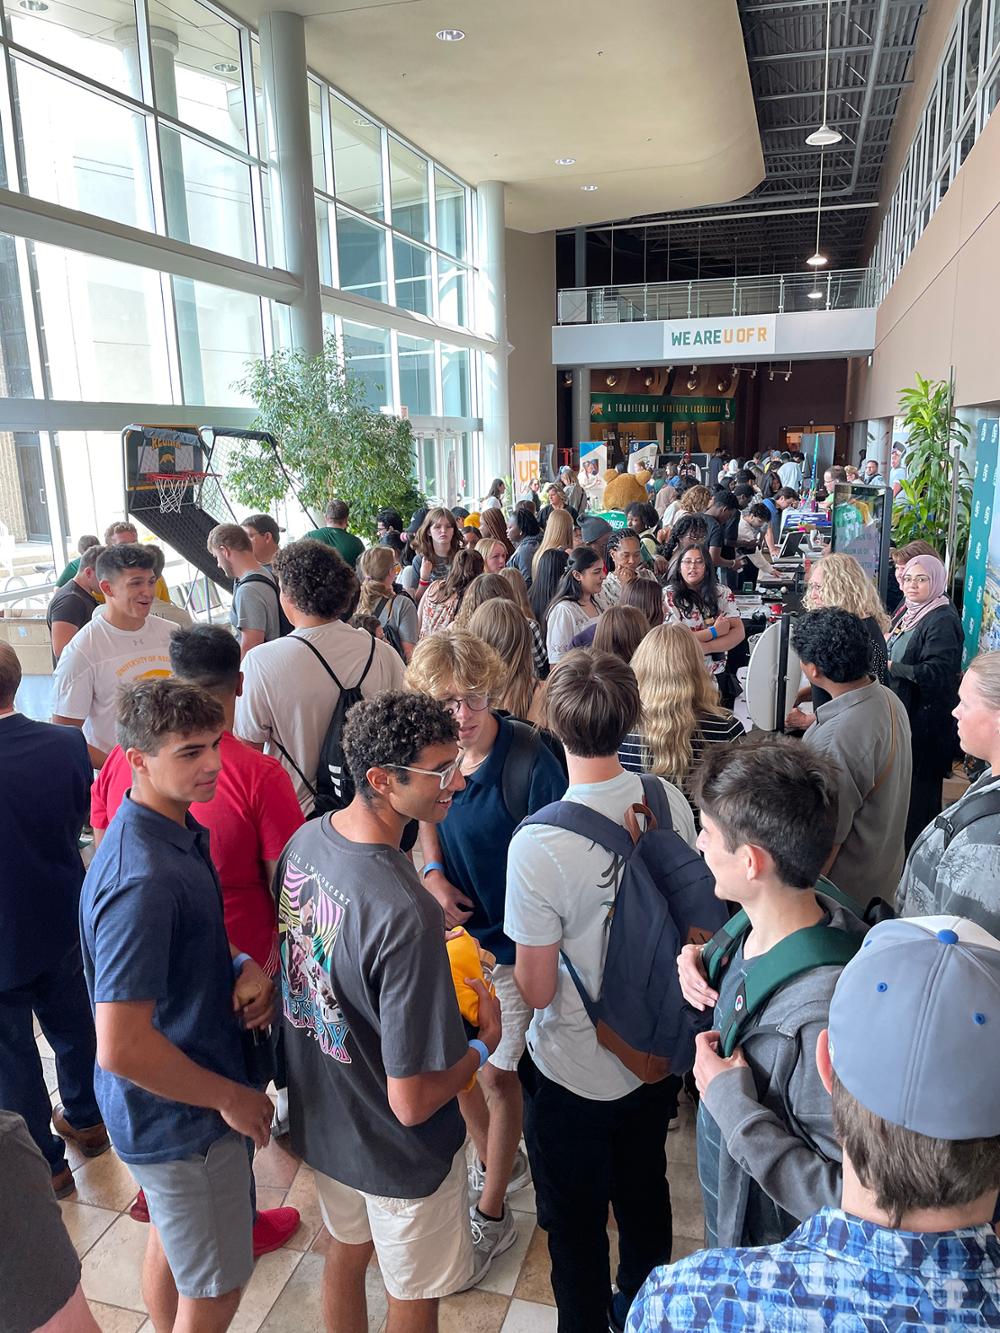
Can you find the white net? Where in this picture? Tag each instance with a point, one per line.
(170, 487)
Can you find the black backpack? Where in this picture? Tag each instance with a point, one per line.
(983, 805)
(333, 788)
(525, 744)
(285, 626)
(389, 631)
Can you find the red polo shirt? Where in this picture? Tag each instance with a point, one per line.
(249, 819)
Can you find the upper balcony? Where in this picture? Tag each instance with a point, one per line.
(706, 298)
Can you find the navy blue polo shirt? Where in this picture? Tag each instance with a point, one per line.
(475, 837)
(152, 929)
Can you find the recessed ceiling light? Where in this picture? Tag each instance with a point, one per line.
(565, 161)
(450, 35)
(817, 260)
(33, 6)
(589, 188)
(226, 67)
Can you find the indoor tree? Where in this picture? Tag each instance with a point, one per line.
(932, 429)
(330, 442)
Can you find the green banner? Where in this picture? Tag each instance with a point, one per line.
(977, 560)
(650, 407)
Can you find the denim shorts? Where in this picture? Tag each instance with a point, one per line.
(200, 1205)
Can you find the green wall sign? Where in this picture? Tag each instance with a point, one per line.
(650, 407)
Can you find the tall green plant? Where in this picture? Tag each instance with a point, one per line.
(330, 442)
(932, 428)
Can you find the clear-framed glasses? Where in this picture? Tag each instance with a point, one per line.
(443, 775)
(915, 578)
(474, 702)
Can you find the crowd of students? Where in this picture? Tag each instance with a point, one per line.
(373, 846)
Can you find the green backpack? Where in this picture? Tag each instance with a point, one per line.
(803, 950)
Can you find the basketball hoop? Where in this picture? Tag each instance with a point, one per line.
(170, 487)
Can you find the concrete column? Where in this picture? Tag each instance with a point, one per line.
(491, 316)
(286, 100)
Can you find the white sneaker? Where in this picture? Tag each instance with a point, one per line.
(520, 1175)
(489, 1239)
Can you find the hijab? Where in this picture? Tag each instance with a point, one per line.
(915, 611)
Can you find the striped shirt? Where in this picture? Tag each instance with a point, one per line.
(711, 730)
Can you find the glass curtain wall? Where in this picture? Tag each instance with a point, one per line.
(151, 115)
(963, 97)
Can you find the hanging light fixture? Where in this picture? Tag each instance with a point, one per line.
(818, 259)
(825, 137)
(815, 295)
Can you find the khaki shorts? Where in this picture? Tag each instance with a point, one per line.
(424, 1246)
(515, 1015)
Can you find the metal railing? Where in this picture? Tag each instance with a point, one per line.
(771, 294)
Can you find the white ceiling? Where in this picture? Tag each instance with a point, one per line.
(652, 97)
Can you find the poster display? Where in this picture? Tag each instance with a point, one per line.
(642, 455)
(981, 595)
(593, 465)
(861, 529)
(526, 466)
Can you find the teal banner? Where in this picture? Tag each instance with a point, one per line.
(648, 407)
(984, 491)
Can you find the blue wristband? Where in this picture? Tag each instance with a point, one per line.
(481, 1050)
(429, 866)
(239, 961)
(713, 631)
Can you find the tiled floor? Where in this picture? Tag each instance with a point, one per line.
(283, 1296)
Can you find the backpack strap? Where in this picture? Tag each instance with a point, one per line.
(515, 779)
(377, 610)
(983, 805)
(802, 951)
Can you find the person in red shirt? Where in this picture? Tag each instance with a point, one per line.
(249, 819)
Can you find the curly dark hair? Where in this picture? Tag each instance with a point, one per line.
(704, 598)
(115, 560)
(392, 728)
(835, 642)
(315, 578)
(688, 530)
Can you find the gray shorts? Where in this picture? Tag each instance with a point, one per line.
(200, 1205)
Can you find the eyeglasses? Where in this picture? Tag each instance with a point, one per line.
(915, 578)
(443, 775)
(474, 702)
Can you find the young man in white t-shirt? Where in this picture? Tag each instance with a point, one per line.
(595, 1134)
(120, 645)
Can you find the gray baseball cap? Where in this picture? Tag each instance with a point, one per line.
(915, 1026)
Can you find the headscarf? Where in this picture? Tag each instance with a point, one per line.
(915, 611)
(492, 524)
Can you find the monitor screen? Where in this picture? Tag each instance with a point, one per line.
(858, 517)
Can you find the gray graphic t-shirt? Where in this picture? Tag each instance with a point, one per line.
(366, 993)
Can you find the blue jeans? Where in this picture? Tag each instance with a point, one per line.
(58, 997)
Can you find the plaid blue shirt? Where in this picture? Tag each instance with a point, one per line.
(835, 1272)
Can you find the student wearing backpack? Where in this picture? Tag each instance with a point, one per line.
(767, 1154)
(292, 687)
(509, 773)
(595, 1130)
(256, 612)
(395, 612)
(954, 865)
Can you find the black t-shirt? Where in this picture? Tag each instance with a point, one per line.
(73, 604)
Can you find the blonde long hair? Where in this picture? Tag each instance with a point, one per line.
(499, 623)
(515, 578)
(375, 567)
(676, 692)
(558, 536)
(846, 587)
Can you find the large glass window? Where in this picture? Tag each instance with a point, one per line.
(453, 294)
(369, 360)
(449, 202)
(76, 36)
(408, 184)
(416, 375)
(83, 150)
(316, 134)
(103, 328)
(197, 69)
(207, 196)
(413, 276)
(357, 159)
(456, 391)
(218, 332)
(361, 254)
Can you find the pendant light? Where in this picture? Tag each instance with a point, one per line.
(818, 259)
(825, 137)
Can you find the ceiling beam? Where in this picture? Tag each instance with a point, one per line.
(776, 57)
(817, 93)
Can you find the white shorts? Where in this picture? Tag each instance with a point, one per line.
(424, 1246)
(515, 1015)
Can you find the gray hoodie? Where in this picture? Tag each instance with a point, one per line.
(779, 1162)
